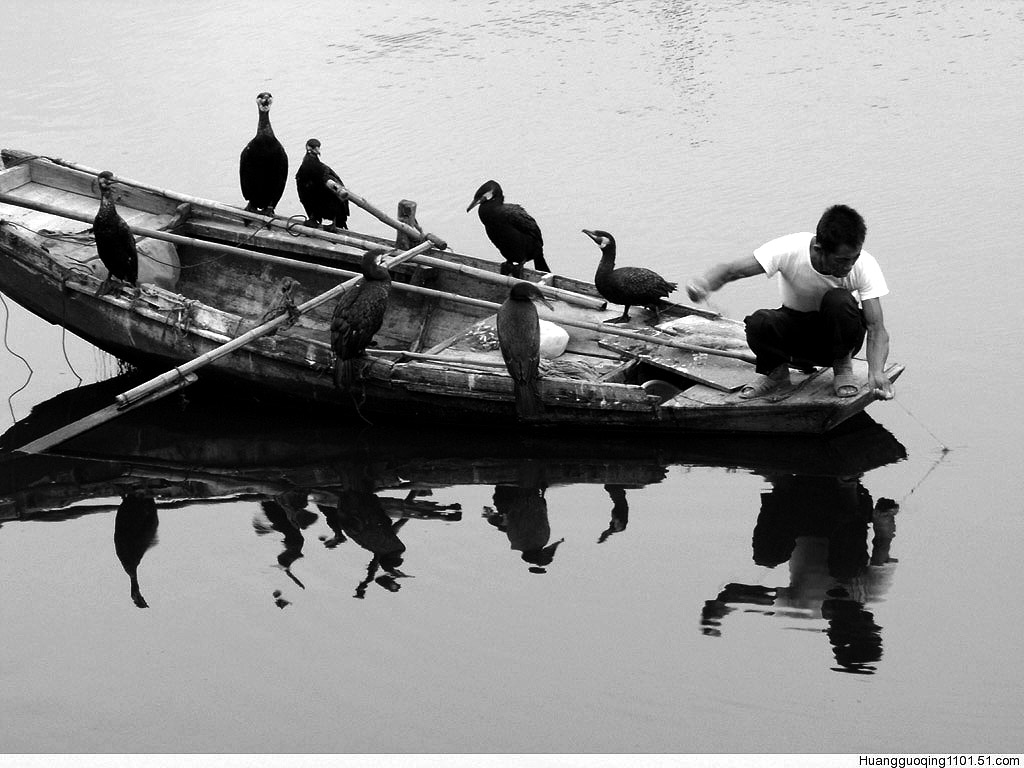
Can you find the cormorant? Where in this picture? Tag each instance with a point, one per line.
(263, 166)
(135, 525)
(519, 338)
(115, 243)
(358, 316)
(629, 286)
(318, 200)
(513, 231)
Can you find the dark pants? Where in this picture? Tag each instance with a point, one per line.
(803, 339)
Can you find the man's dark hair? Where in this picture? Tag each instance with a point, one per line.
(840, 225)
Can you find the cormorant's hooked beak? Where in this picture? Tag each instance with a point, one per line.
(592, 235)
(544, 299)
(485, 196)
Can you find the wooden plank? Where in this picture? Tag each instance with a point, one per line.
(79, 183)
(82, 206)
(12, 178)
(723, 373)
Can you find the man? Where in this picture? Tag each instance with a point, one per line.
(819, 322)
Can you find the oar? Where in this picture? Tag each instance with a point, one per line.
(344, 193)
(488, 305)
(235, 212)
(182, 375)
(270, 222)
(232, 250)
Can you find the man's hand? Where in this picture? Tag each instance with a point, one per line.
(698, 289)
(881, 386)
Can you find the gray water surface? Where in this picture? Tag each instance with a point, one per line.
(693, 132)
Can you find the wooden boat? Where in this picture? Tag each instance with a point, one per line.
(212, 273)
(217, 447)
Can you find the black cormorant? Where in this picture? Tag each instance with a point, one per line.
(263, 166)
(115, 243)
(358, 316)
(629, 286)
(318, 200)
(513, 231)
(519, 338)
(135, 525)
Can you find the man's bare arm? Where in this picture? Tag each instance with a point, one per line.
(700, 288)
(877, 349)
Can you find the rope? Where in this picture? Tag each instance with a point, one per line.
(64, 333)
(10, 398)
(945, 449)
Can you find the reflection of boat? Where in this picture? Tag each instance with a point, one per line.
(437, 357)
(213, 446)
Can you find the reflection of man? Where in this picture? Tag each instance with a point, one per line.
(820, 525)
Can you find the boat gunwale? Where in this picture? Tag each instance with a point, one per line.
(828, 413)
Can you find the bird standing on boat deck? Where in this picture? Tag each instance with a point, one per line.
(263, 166)
(519, 340)
(629, 286)
(513, 231)
(358, 316)
(314, 194)
(115, 243)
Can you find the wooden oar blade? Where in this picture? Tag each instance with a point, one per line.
(102, 416)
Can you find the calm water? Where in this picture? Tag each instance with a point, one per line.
(693, 132)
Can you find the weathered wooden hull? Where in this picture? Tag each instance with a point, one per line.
(213, 296)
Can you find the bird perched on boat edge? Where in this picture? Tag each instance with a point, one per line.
(513, 231)
(358, 316)
(263, 165)
(628, 286)
(519, 339)
(115, 244)
(314, 194)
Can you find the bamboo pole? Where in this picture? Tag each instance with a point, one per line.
(343, 238)
(481, 303)
(259, 330)
(183, 375)
(345, 193)
(462, 360)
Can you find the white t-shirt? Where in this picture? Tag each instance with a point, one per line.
(802, 286)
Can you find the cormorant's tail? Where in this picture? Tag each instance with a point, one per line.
(540, 264)
(345, 373)
(528, 402)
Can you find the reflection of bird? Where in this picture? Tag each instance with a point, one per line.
(620, 512)
(314, 194)
(513, 231)
(263, 166)
(629, 286)
(135, 525)
(358, 316)
(115, 243)
(523, 515)
(287, 514)
(519, 338)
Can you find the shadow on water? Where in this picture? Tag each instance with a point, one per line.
(207, 449)
(819, 525)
